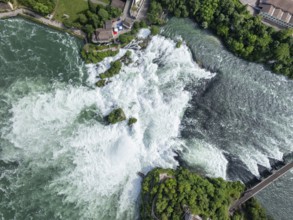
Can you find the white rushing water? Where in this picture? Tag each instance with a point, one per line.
(99, 162)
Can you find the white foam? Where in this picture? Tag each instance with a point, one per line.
(101, 177)
(143, 33)
(207, 156)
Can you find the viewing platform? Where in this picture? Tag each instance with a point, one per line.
(260, 186)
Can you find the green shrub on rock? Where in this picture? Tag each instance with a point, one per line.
(114, 70)
(178, 44)
(155, 30)
(132, 121)
(116, 116)
(94, 53)
(101, 83)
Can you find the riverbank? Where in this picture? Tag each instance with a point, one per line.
(171, 194)
(238, 114)
(91, 24)
(243, 34)
(32, 16)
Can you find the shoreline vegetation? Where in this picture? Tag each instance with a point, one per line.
(243, 34)
(166, 193)
(174, 194)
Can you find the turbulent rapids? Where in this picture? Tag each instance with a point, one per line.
(58, 158)
(88, 167)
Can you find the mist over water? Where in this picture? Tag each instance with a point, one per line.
(59, 162)
(58, 159)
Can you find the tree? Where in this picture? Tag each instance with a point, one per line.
(41, 8)
(82, 19)
(194, 6)
(204, 25)
(155, 30)
(155, 11)
(92, 6)
(89, 29)
(283, 35)
(124, 38)
(103, 14)
(282, 52)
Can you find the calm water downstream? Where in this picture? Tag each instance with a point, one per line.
(58, 159)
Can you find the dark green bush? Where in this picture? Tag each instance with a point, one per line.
(132, 121)
(114, 70)
(101, 83)
(116, 116)
(178, 44)
(43, 7)
(155, 30)
(243, 34)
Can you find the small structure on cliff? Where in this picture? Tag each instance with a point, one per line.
(279, 12)
(102, 35)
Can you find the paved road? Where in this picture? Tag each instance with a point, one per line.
(41, 19)
(253, 191)
(127, 9)
(142, 14)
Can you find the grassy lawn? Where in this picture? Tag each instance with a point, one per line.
(71, 8)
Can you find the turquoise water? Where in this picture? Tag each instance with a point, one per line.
(240, 121)
(58, 159)
(33, 61)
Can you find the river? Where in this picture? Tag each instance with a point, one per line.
(58, 158)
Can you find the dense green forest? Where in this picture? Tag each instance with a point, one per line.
(170, 194)
(94, 18)
(243, 34)
(43, 7)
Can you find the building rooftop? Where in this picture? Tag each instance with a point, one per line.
(277, 12)
(286, 17)
(279, 9)
(118, 4)
(285, 5)
(102, 35)
(108, 25)
(267, 8)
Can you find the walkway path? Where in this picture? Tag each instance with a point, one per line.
(41, 19)
(254, 190)
(142, 14)
(126, 10)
